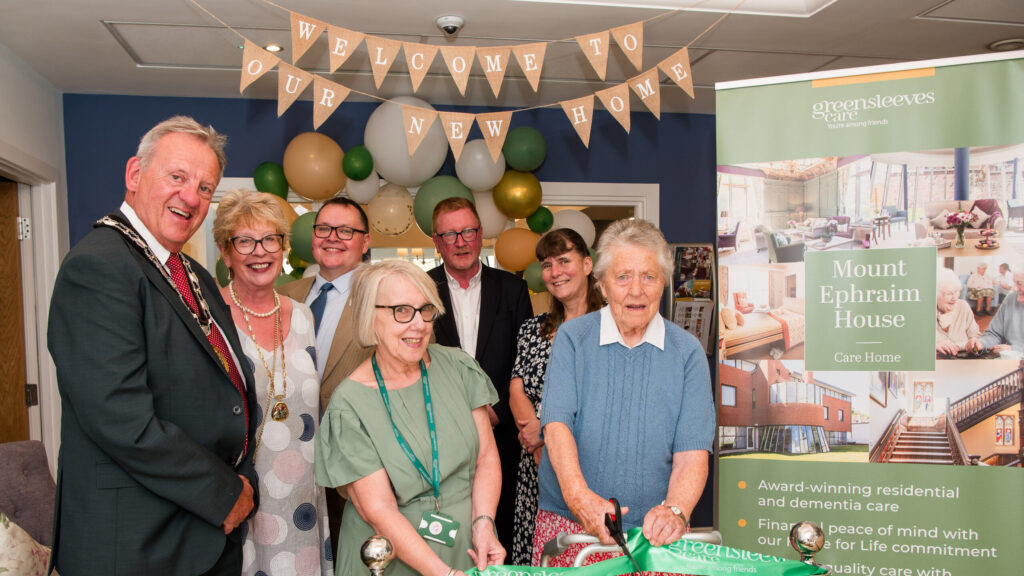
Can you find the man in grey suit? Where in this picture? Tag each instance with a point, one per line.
(155, 469)
(341, 237)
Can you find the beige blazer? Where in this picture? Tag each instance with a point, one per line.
(345, 354)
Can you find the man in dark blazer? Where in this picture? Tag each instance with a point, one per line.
(155, 472)
(485, 307)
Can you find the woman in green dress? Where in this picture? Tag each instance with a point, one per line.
(408, 438)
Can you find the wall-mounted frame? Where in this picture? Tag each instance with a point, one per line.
(690, 301)
(878, 386)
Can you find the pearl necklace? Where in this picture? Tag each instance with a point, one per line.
(234, 296)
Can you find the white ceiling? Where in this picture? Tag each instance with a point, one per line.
(176, 48)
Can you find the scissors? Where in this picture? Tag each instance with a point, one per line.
(614, 524)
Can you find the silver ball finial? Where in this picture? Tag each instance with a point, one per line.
(807, 539)
(377, 553)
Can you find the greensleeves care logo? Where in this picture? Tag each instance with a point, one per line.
(871, 309)
(851, 112)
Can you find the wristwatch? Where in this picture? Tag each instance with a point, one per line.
(675, 510)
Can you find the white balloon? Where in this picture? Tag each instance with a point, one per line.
(385, 139)
(362, 191)
(390, 211)
(476, 169)
(492, 221)
(578, 221)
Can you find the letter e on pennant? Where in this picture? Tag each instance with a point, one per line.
(531, 60)
(342, 42)
(456, 128)
(677, 68)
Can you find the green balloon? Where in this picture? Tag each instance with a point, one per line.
(357, 163)
(430, 193)
(297, 273)
(541, 220)
(534, 279)
(295, 262)
(524, 149)
(222, 273)
(269, 177)
(302, 236)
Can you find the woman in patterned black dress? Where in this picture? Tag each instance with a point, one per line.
(566, 270)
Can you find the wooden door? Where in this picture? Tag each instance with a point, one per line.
(13, 412)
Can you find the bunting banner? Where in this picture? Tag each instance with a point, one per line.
(580, 112)
(291, 82)
(630, 39)
(417, 123)
(255, 63)
(327, 96)
(456, 128)
(459, 60)
(494, 127)
(342, 42)
(382, 56)
(531, 60)
(494, 61)
(616, 102)
(305, 31)
(647, 88)
(418, 57)
(677, 68)
(595, 47)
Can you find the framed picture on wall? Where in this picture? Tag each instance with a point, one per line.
(691, 302)
(877, 390)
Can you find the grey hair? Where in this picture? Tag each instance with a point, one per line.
(183, 125)
(366, 283)
(632, 232)
(946, 277)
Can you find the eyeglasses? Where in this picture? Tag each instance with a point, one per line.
(468, 235)
(342, 232)
(404, 313)
(246, 245)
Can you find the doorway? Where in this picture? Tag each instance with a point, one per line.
(14, 426)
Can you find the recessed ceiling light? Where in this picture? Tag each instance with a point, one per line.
(274, 48)
(1008, 44)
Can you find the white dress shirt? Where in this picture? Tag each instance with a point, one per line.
(336, 300)
(466, 304)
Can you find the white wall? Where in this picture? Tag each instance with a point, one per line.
(32, 153)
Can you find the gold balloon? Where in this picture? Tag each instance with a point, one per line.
(286, 209)
(517, 194)
(312, 165)
(515, 247)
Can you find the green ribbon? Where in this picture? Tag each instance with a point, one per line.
(680, 557)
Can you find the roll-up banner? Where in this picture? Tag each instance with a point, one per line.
(871, 329)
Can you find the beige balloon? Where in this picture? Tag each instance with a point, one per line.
(312, 165)
(514, 248)
(286, 208)
(390, 211)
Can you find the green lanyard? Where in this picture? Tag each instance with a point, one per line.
(434, 479)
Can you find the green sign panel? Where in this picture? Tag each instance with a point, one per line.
(871, 309)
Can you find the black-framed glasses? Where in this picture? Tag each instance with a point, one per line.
(468, 235)
(404, 313)
(246, 245)
(342, 232)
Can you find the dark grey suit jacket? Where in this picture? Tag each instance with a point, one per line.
(151, 425)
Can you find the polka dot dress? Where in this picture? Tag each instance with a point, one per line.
(288, 535)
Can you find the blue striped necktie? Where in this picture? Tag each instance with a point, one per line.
(318, 305)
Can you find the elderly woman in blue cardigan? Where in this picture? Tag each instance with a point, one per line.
(627, 405)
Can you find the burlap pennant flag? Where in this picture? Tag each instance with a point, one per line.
(677, 68)
(418, 57)
(616, 102)
(459, 60)
(647, 88)
(531, 60)
(342, 42)
(255, 63)
(327, 96)
(580, 112)
(382, 53)
(494, 61)
(417, 123)
(305, 31)
(630, 39)
(595, 46)
(456, 128)
(494, 127)
(291, 82)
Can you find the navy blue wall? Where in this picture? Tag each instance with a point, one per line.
(677, 152)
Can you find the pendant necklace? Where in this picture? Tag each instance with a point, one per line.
(279, 410)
